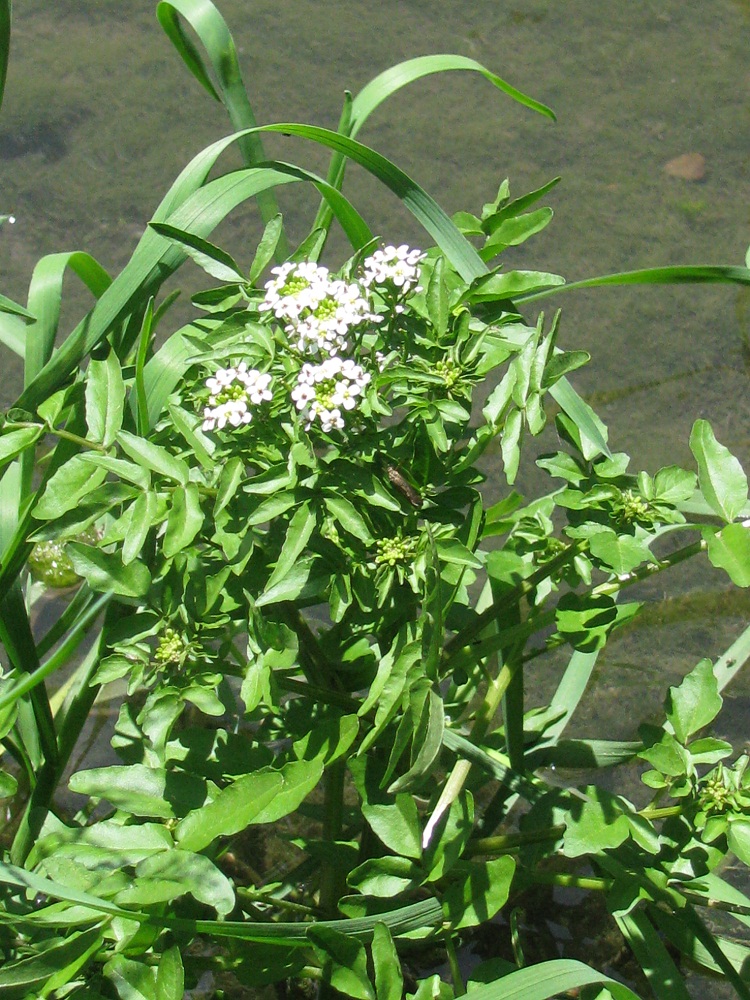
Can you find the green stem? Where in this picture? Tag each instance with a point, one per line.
(568, 881)
(503, 843)
(69, 727)
(332, 880)
(651, 568)
(660, 812)
(458, 983)
(62, 433)
(511, 598)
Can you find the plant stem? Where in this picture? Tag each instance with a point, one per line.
(512, 597)
(651, 568)
(458, 983)
(567, 880)
(332, 878)
(62, 433)
(503, 843)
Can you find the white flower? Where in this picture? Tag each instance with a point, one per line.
(231, 390)
(324, 390)
(319, 310)
(395, 268)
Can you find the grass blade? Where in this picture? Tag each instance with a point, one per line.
(390, 82)
(45, 295)
(5, 10)
(425, 209)
(680, 275)
(216, 38)
(661, 972)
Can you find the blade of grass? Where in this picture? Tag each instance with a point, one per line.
(45, 295)
(5, 12)
(386, 84)
(683, 274)
(661, 972)
(214, 35)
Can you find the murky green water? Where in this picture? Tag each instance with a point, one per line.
(100, 116)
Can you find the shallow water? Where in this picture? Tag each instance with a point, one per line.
(100, 116)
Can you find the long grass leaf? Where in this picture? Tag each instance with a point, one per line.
(549, 979)
(45, 295)
(5, 10)
(357, 111)
(679, 275)
(732, 661)
(153, 261)
(425, 209)
(661, 972)
(214, 35)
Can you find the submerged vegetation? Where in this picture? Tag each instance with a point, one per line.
(274, 531)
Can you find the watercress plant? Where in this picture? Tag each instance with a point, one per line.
(285, 557)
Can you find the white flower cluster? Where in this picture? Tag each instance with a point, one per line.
(319, 310)
(232, 389)
(319, 314)
(394, 267)
(323, 390)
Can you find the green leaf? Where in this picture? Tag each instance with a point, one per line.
(450, 837)
(695, 703)
(184, 521)
(738, 839)
(349, 517)
(120, 467)
(229, 481)
(211, 29)
(328, 740)
(143, 514)
(105, 571)
(266, 248)
(214, 261)
(193, 873)
(663, 976)
(720, 475)
(105, 399)
(594, 824)
(154, 457)
(67, 487)
(170, 975)
(132, 980)
(385, 877)
(51, 968)
(729, 549)
(437, 298)
(621, 553)
(396, 824)
(681, 274)
(8, 784)
(509, 285)
(428, 740)
(298, 534)
(12, 443)
(141, 790)
(480, 891)
(234, 808)
(298, 778)
(346, 969)
(389, 980)
(516, 230)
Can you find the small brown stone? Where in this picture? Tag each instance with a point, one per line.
(688, 167)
